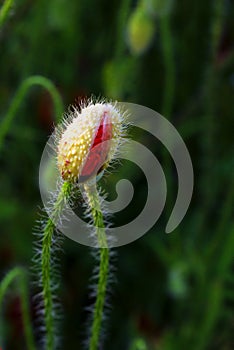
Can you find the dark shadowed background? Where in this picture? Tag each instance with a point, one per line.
(173, 291)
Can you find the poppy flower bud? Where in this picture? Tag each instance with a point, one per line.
(89, 142)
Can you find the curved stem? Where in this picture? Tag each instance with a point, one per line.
(20, 274)
(46, 263)
(95, 207)
(4, 10)
(19, 96)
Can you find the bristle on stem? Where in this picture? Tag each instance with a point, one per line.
(47, 242)
(98, 313)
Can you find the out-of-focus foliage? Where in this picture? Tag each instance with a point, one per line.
(174, 291)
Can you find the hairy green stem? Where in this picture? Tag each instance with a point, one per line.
(100, 301)
(4, 10)
(49, 229)
(95, 207)
(19, 97)
(20, 275)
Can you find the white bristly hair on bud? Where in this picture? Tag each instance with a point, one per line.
(76, 135)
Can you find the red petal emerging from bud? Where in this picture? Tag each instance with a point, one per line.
(99, 150)
(89, 143)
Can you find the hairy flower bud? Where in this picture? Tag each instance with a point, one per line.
(89, 142)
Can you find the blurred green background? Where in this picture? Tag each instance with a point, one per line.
(173, 291)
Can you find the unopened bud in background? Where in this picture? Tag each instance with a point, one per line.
(140, 31)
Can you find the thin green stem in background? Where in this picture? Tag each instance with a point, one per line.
(121, 28)
(46, 268)
(4, 10)
(19, 97)
(168, 91)
(223, 223)
(211, 76)
(215, 296)
(210, 106)
(95, 207)
(20, 275)
(169, 66)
